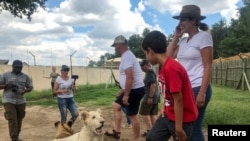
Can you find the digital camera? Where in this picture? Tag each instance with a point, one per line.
(15, 88)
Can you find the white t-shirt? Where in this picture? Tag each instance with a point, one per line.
(189, 55)
(128, 60)
(65, 84)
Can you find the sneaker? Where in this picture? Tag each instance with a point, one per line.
(127, 125)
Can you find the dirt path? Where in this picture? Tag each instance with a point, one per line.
(38, 125)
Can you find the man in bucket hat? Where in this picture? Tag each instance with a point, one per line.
(195, 53)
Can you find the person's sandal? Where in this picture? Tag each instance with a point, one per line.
(145, 133)
(114, 134)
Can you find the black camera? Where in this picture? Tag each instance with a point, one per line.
(15, 88)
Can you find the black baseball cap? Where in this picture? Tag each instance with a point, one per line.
(17, 64)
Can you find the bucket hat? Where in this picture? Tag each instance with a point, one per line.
(190, 11)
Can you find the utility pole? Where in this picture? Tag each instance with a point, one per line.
(71, 61)
(33, 57)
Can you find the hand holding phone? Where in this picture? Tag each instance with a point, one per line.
(178, 32)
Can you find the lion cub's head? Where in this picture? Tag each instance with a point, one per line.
(93, 121)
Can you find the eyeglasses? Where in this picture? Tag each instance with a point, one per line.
(65, 70)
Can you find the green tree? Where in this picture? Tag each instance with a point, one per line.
(134, 43)
(219, 31)
(92, 64)
(145, 32)
(20, 8)
(109, 56)
(102, 60)
(237, 40)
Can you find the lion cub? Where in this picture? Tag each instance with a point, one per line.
(63, 129)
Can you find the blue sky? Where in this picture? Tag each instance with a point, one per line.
(89, 27)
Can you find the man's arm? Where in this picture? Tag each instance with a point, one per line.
(128, 85)
(129, 81)
(151, 93)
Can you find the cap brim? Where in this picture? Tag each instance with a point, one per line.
(112, 45)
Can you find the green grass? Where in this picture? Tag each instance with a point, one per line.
(87, 95)
(227, 106)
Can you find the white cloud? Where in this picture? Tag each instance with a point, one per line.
(88, 27)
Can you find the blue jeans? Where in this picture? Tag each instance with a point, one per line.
(125, 112)
(70, 104)
(197, 130)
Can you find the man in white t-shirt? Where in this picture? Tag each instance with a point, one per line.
(132, 88)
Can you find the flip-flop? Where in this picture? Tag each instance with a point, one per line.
(145, 133)
(114, 134)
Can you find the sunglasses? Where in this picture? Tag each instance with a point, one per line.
(65, 70)
(18, 67)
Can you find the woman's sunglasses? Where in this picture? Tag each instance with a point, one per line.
(65, 70)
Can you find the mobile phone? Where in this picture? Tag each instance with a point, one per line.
(178, 27)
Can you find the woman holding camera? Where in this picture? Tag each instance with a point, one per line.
(64, 87)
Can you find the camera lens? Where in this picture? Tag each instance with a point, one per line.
(14, 89)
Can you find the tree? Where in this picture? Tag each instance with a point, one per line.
(145, 32)
(219, 32)
(237, 40)
(20, 8)
(92, 64)
(102, 60)
(134, 44)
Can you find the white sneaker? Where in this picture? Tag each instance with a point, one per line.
(127, 125)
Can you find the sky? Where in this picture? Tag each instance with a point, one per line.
(73, 32)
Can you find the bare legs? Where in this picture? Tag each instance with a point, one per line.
(118, 118)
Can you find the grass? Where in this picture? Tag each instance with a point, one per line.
(86, 95)
(227, 106)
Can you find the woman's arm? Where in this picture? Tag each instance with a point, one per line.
(207, 59)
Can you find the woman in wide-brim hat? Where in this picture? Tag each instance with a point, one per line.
(195, 53)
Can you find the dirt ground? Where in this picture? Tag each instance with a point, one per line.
(38, 125)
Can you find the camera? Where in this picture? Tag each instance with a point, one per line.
(15, 88)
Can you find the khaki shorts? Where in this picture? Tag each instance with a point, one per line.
(148, 109)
